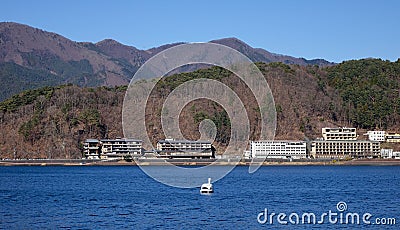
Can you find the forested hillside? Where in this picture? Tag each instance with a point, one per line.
(52, 122)
(370, 90)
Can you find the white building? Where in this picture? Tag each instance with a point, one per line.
(376, 135)
(339, 133)
(247, 154)
(386, 153)
(91, 149)
(389, 153)
(279, 149)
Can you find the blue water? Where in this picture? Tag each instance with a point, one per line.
(124, 197)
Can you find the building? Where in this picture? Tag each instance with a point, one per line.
(120, 148)
(392, 137)
(389, 153)
(386, 153)
(341, 143)
(341, 149)
(247, 154)
(171, 148)
(91, 149)
(278, 149)
(376, 135)
(339, 133)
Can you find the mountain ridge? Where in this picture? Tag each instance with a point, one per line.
(104, 63)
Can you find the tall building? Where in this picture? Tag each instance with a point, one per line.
(278, 149)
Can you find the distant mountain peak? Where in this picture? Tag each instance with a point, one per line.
(261, 55)
(108, 41)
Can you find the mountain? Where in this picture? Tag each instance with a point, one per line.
(66, 61)
(31, 58)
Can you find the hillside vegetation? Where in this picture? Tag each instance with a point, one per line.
(53, 122)
(370, 90)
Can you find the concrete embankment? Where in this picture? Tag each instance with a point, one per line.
(192, 162)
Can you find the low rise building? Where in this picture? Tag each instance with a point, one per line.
(278, 149)
(376, 135)
(170, 148)
(386, 153)
(247, 154)
(120, 147)
(392, 137)
(91, 149)
(341, 149)
(340, 143)
(339, 133)
(390, 154)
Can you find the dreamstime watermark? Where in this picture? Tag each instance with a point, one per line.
(138, 95)
(338, 216)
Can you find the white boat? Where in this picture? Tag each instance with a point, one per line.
(207, 188)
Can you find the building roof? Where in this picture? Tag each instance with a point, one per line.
(92, 140)
(121, 139)
(356, 141)
(183, 141)
(276, 141)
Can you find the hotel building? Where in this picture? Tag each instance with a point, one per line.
(344, 148)
(392, 137)
(112, 148)
(171, 148)
(340, 143)
(91, 149)
(278, 149)
(339, 133)
(390, 154)
(120, 147)
(376, 135)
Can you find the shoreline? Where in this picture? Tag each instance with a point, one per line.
(180, 162)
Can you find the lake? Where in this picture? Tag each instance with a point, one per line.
(110, 197)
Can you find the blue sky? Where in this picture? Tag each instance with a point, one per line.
(335, 30)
